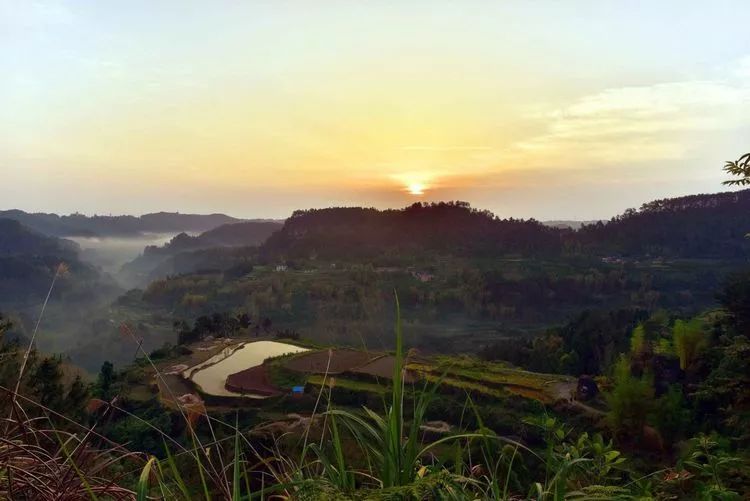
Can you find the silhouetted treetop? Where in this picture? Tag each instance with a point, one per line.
(697, 226)
(444, 226)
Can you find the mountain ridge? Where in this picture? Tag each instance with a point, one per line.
(79, 225)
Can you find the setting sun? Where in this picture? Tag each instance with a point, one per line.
(416, 188)
(548, 201)
(415, 183)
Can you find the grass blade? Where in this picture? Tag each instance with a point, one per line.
(143, 480)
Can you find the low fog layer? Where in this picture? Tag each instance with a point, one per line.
(111, 253)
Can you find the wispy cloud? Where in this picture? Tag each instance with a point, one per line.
(641, 123)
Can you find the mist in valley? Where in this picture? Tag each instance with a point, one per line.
(111, 253)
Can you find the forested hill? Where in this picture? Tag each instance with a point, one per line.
(28, 261)
(18, 240)
(453, 227)
(227, 235)
(156, 262)
(700, 226)
(79, 225)
(705, 226)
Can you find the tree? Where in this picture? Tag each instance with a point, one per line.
(671, 415)
(723, 398)
(735, 298)
(46, 383)
(76, 397)
(5, 325)
(690, 340)
(740, 169)
(631, 399)
(638, 341)
(105, 380)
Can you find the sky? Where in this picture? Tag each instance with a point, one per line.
(544, 109)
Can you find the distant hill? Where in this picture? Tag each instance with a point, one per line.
(696, 226)
(18, 240)
(463, 275)
(176, 255)
(227, 235)
(79, 225)
(452, 227)
(28, 261)
(573, 225)
(700, 226)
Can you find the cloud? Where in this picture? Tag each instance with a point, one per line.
(641, 123)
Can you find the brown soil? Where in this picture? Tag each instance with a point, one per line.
(382, 367)
(342, 360)
(254, 380)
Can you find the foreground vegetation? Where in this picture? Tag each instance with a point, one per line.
(389, 451)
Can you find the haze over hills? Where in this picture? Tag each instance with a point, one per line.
(328, 272)
(573, 225)
(382, 251)
(700, 226)
(546, 299)
(226, 235)
(79, 225)
(109, 242)
(17, 239)
(28, 263)
(523, 272)
(156, 261)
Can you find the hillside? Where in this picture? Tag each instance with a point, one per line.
(181, 254)
(701, 226)
(29, 262)
(452, 227)
(464, 275)
(79, 225)
(227, 235)
(697, 226)
(18, 240)
(468, 284)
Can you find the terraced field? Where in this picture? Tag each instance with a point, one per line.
(371, 373)
(349, 384)
(334, 361)
(489, 378)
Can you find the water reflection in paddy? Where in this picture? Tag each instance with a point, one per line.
(212, 374)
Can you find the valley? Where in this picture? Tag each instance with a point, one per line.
(374, 251)
(500, 324)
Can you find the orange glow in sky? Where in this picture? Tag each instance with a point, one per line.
(256, 109)
(416, 188)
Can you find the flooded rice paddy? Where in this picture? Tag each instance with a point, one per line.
(212, 374)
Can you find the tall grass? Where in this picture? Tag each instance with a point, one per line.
(396, 461)
(355, 454)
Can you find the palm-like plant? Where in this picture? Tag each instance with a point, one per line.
(740, 169)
